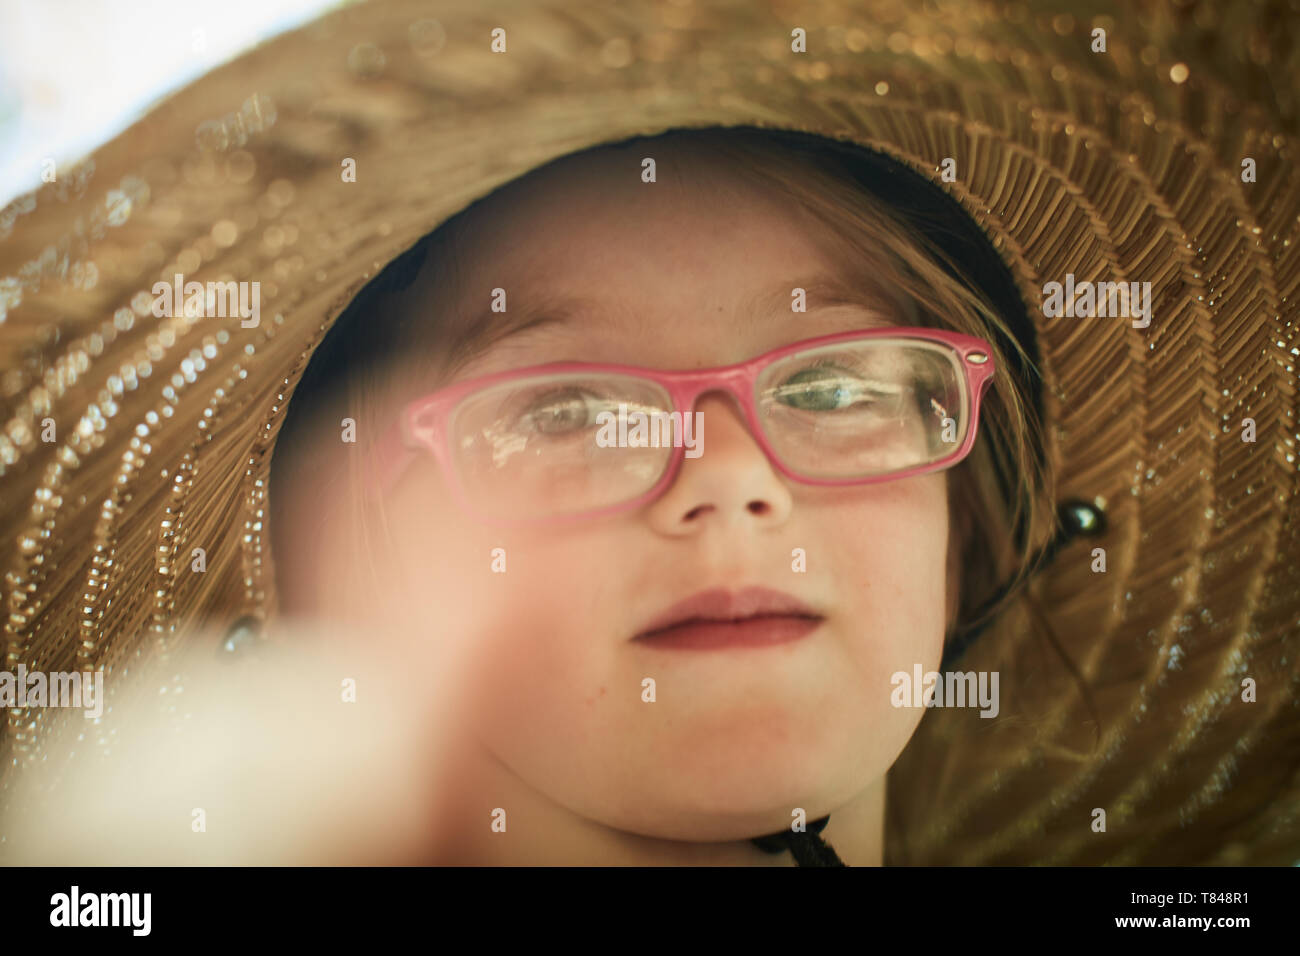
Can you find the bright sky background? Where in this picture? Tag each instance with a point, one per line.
(73, 73)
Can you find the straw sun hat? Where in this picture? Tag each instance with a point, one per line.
(1167, 157)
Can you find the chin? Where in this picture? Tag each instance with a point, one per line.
(722, 778)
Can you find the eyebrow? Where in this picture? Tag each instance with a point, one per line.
(824, 290)
(485, 329)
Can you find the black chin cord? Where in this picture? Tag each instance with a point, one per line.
(808, 848)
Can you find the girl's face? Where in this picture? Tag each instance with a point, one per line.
(676, 275)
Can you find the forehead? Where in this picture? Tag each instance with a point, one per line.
(697, 268)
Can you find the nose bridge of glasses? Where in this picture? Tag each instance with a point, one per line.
(690, 388)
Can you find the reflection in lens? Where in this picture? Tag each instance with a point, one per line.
(868, 408)
(529, 448)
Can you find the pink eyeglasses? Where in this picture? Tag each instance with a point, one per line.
(576, 440)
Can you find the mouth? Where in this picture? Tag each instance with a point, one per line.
(718, 618)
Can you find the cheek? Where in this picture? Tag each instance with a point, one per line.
(520, 608)
(889, 552)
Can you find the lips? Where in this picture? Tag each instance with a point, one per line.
(718, 617)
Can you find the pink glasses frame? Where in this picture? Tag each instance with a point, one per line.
(422, 425)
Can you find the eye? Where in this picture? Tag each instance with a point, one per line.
(834, 388)
(560, 412)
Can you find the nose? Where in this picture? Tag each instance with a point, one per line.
(730, 483)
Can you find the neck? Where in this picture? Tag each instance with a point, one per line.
(540, 832)
(857, 829)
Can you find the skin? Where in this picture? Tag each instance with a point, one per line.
(548, 676)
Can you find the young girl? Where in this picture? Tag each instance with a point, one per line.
(664, 657)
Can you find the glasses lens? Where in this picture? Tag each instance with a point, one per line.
(561, 444)
(864, 409)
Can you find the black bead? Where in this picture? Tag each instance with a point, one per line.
(1082, 519)
(241, 637)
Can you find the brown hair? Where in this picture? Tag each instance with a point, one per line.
(999, 497)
